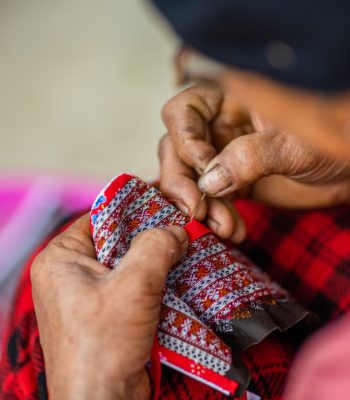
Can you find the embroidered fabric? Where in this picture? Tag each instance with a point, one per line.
(216, 303)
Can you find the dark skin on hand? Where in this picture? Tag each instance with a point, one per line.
(97, 325)
(239, 135)
(216, 145)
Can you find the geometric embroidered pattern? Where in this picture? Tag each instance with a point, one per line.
(178, 321)
(211, 291)
(196, 354)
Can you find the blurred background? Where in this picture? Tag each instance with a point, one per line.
(82, 84)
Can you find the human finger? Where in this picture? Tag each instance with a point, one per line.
(150, 257)
(322, 122)
(71, 252)
(178, 181)
(187, 117)
(224, 220)
(232, 121)
(244, 161)
(77, 237)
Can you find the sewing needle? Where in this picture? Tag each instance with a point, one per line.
(197, 208)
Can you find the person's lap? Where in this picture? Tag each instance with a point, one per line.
(304, 251)
(307, 252)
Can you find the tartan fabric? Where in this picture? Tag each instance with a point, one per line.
(306, 251)
(268, 363)
(22, 374)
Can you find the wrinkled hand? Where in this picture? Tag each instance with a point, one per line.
(216, 147)
(97, 325)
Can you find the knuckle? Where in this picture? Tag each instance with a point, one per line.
(58, 242)
(138, 280)
(165, 186)
(179, 102)
(57, 250)
(169, 240)
(251, 154)
(296, 157)
(35, 268)
(247, 145)
(143, 284)
(161, 244)
(168, 109)
(183, 152)
(203, 98)
(41, 267)
(65, 242)
(163, 147)
(160, 238)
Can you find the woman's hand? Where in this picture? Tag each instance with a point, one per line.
(216, 147)
(97, 325)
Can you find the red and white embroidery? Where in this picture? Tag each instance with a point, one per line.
(208, 290)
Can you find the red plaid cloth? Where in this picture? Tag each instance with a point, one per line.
(306, 251)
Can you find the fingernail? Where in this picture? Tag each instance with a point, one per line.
(199, 170)
(183, 208)
(215, 180)
(180, 234)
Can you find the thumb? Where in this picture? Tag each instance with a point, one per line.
(151, 255)
(244, 161)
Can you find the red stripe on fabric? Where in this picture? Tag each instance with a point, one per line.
(155, 370)
(195, 230)
(116, 185)
(197, 371)
(109, 192)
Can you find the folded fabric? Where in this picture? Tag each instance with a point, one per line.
(216, 302)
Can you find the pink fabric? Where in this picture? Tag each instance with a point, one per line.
(26, 199)
(31, 206)
(77, 192)
(322, 369)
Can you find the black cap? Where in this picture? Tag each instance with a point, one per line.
(304, 43)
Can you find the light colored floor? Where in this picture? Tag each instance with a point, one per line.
(82, 83)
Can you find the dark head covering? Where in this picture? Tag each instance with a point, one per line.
(301, 42)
